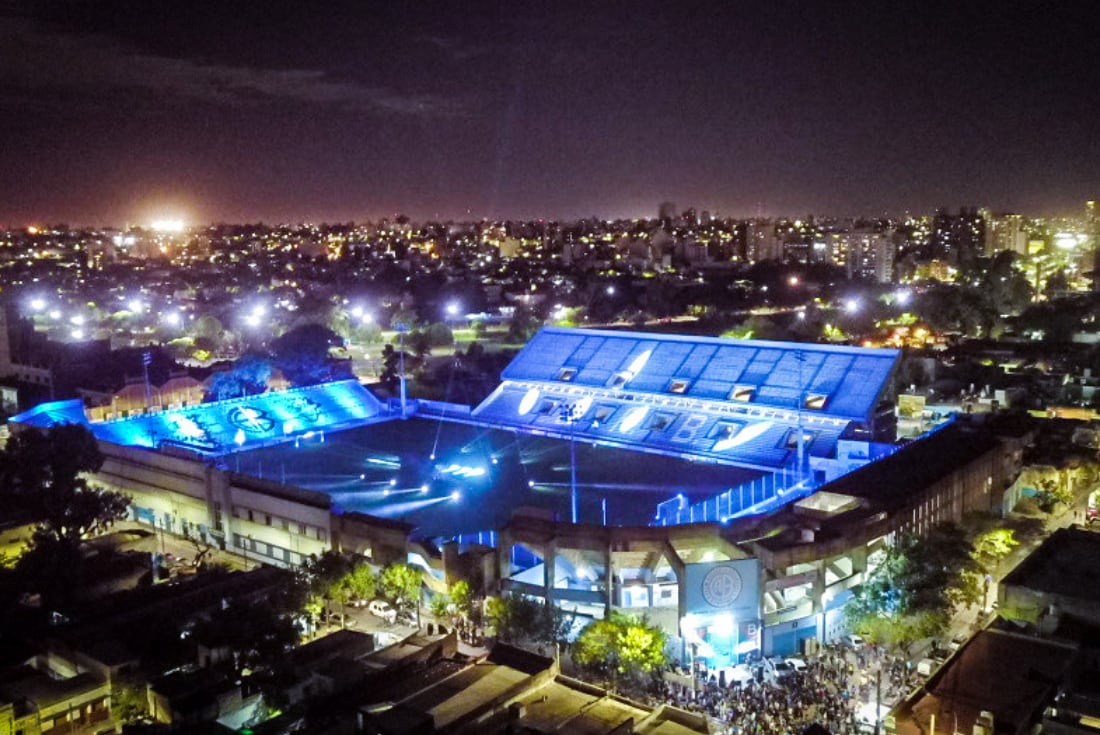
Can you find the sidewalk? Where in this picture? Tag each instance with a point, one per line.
(157, 541)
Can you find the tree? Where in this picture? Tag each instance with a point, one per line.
(457, 602)
(80, 512)
(516, 617)
(302, 354)
(991, 546)
(361, 582)
(247, 377)
(1050, 493)
(44, 471)
(401, 583)
(37, 462)
(439, 335)
(622, 644)
(129, 703)
(913, 590)
(256, 633)
(523, 325)
(461, 596)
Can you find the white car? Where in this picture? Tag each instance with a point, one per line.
(777, 670)
(383, 609)
(797, 664)
(853, 640)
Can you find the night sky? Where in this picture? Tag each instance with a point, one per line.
(125, 111)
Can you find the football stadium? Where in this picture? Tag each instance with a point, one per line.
(603, 471)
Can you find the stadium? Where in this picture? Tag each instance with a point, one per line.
(603, 471)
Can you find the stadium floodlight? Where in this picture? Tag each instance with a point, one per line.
(633, 418)
(530, 398)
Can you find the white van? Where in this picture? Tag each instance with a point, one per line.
(382, 609)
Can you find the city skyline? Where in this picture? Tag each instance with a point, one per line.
(127, 112)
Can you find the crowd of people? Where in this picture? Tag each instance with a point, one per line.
(829, 691)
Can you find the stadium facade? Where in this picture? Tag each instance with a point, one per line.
(762, 554)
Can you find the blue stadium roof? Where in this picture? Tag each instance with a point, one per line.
(222, 427)
(733, 401)
(838, 381)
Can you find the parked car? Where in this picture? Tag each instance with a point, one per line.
(383, 609)
(341, 620)
(777, 670)
(853, 640)
(797, 664)
(956, 642)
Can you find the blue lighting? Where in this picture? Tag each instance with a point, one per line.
(241, 424)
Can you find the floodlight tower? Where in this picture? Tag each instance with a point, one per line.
(146, 360)
(401, 328)
(800, 356)
(569, 415)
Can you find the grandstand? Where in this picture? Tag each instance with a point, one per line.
(223, 427)
(732, 402)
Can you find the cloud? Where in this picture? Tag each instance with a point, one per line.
(35, 59)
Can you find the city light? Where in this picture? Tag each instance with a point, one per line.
(38, 304)
(852, 306)
(168, 226)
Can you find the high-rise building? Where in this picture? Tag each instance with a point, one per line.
(869, 253)
(958, 238)
(1005, 232)
(761, 241)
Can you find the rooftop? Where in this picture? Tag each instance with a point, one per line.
(1011, 675)
(1067, 563)
(893, 480)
